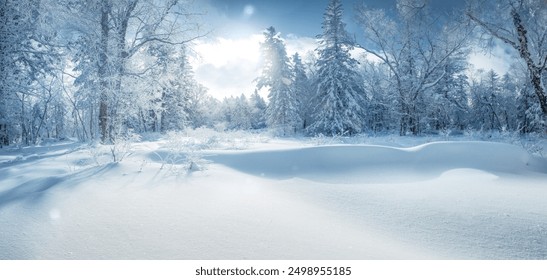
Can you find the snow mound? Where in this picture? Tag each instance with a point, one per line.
(369, 163)
(455, 200)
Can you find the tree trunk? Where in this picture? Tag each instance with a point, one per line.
(4, 137)
(103, 68)
(533, 69)
(163, 120)
(121, 22)
(4, 140)
(409, 118)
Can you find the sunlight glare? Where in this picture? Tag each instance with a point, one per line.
(225, 51)
(248, 11)
(228, 66)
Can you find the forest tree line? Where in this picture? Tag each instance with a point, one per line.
(102, 69)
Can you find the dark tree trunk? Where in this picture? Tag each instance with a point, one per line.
(103, 68)
(534, 70)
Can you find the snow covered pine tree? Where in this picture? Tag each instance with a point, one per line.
(282, 112)
(340, 99)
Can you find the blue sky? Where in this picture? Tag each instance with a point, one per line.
(299, 17)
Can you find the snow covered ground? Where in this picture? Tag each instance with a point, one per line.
(262, 198)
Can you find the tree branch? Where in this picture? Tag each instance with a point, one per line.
(491, 30)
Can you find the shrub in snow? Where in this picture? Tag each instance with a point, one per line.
(121, 147)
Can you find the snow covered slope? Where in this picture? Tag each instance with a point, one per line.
(457, 200)
(366, 163)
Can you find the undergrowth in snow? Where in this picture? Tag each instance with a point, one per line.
(182, 151)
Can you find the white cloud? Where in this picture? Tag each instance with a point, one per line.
(302, 45)
(228, 67)
(223, 51)
(498, 59)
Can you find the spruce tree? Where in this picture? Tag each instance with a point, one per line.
(282, 113)
(258, 111)
(340, 99)
(301, 88)
(176, 95)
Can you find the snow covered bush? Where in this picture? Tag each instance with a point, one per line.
(121, 147)
(184, 149)
(181, 152)
(322, 140)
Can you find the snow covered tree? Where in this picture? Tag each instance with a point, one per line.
(201, 107)
(521, 24)
(381, 113)
(508, 103)
(27, 57)
(417, 47)
(258, 111)
(113, 35)
(529, 118)
(283, 108)
(237, 113)
(302, 88)
(167, 97)
(177, 93)
(339, 103)
(484, 94)
(447, 103)
(494, 103)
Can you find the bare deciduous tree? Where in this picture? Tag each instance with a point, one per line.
(416, 47)
(521, 24)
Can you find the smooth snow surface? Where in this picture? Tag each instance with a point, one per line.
(366, 164)
(279, 200)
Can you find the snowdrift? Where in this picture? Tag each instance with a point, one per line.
(445, 200)
(367, 163)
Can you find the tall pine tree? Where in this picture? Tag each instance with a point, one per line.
(176, 95)
(301, 87)
(258, 111)
(282, 112)
(340, 98)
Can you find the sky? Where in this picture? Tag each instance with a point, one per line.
(298, 17)
(228, 60)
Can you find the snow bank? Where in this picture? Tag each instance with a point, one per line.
(462, 200)
(367, 163)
